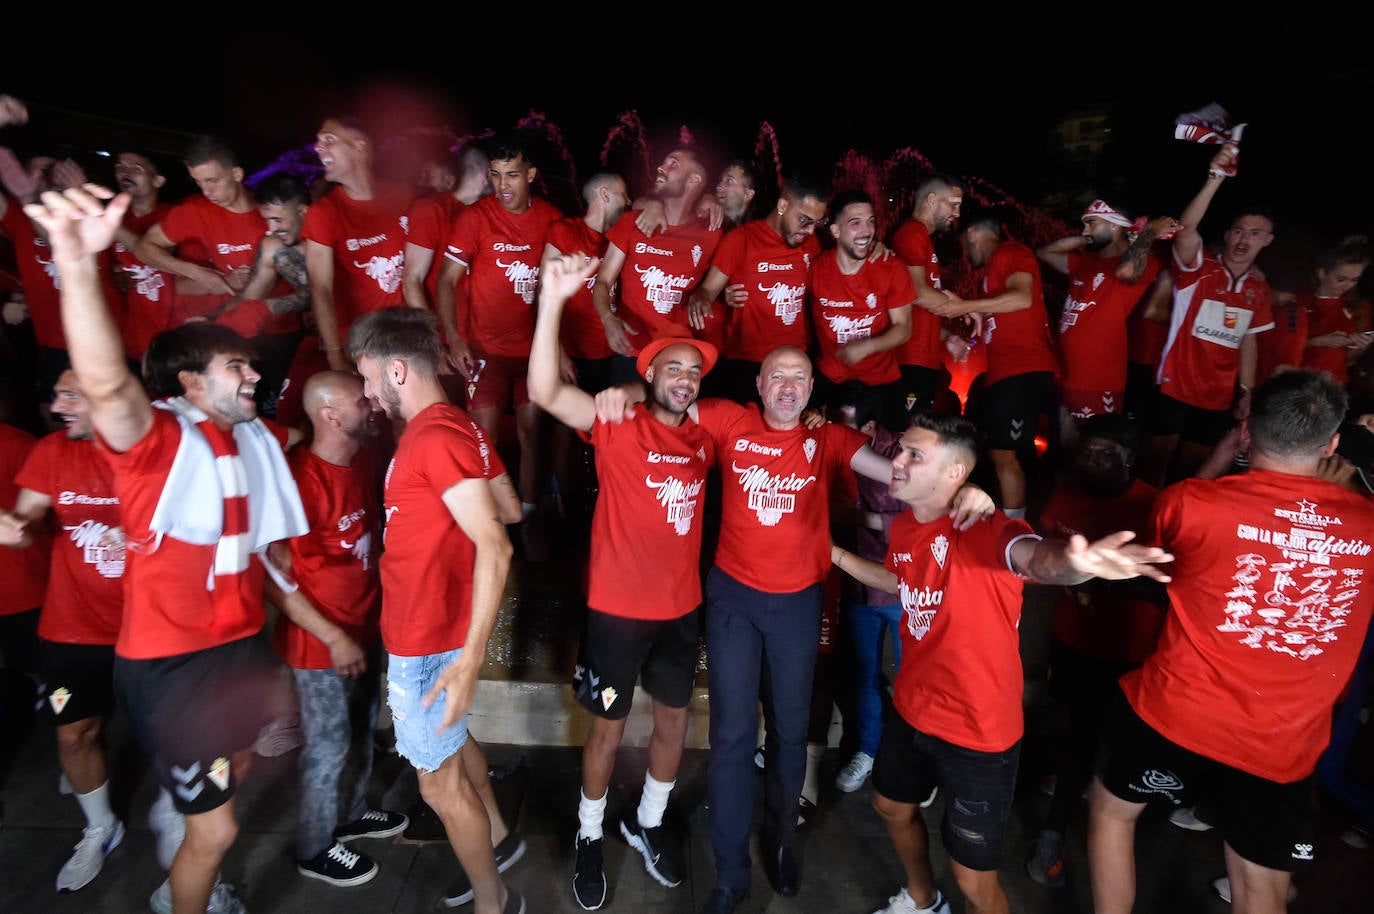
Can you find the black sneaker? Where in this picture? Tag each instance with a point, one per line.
(589, 878)
(375, 823)
(511, 849)
(653, 848)
(338, 865)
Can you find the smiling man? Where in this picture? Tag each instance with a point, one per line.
(189, 667)
(957, 696)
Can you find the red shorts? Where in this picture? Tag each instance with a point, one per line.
(498, 383)
(1084, 403)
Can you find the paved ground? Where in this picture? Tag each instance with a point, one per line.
(848, 863)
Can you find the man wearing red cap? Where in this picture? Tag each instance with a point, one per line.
(644, 585)
(1110, 267)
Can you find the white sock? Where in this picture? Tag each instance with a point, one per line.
(96, 806)
(811, 786)
(1017, 513)
(163, 804)
(653, 801)
(590, 814)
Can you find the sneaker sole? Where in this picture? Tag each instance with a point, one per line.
(848, 787)
(590, 907)
(634, 841)
(384, 833)
(501, 866)
(356, 880)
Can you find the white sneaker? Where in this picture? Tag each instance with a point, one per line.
(1186, 817)
(170, 830)
(95, 845)
(901, 903)
(222, 900)
(853, 775)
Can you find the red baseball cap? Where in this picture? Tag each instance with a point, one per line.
(647, 354)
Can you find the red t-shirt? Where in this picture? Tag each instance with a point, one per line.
(1269, 604)
(1092, 326)
(168, 607)
(1213, 313)
(501, 251)
(368, 238)
(225, 240)
(848, 308)
(582, 333)
(646, 529)
(39, 280)
(1017, 342)
(85, 598)
(335, 563)
(1284, 344)
(960, 678)
(1117, 621)
(23, 571)
(911, 243)
(1325, 315)
(427, 559)
(775, 278)
(775, 501)
(659, 275)
(150, 296)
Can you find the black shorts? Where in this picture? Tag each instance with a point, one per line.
(78, 680)
(193, 711)
(1191, 423)
(593, 375)
(617, 651)
(1010, 410)
(978, 787)
(919, 385)
(19, 640)
(1265, 822)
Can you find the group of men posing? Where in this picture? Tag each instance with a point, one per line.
(205, 495)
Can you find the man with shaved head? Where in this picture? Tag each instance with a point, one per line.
(644, 585)
(328, 631)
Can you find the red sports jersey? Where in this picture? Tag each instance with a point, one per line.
(168, 608)
(1213, 312)
(1017, 342)
(335, 564)
(501, 251)
(368, 238)
(775, 502)
(1326, 315)
(582, 333)
(1269, 604)
(1284, 344)
(1111, 620)
(849, 308)
(24, 571)
(960, 678)
(1092, 327)
(427, 562)
(85, 598)
(659, 275)
(646, 529)
(775, 277)
(224, 240)
(38, 277)
(911, 243)
(149, 294)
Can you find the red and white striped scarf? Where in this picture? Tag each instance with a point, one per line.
(233, 549)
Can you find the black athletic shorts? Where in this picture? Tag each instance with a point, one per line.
(616, 651)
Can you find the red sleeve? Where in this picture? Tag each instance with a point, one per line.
(428, 225)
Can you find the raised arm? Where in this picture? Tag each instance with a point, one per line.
(1133, 263)
(470, 503)
(560, 276)
(1188, 241)
(1056, 253)
(80, 223)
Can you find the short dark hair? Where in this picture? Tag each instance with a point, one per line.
(208, 148)
(953, 431)
(1263, 210)
(935, 182)
(750, 178)
(847, 198)
(398, 332)
(281, 188)
(188, 347)
(800, 185)
(505, 146)
(1294, 413)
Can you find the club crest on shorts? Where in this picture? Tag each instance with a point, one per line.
(219, 772)
(59, 698)
(608, 697)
